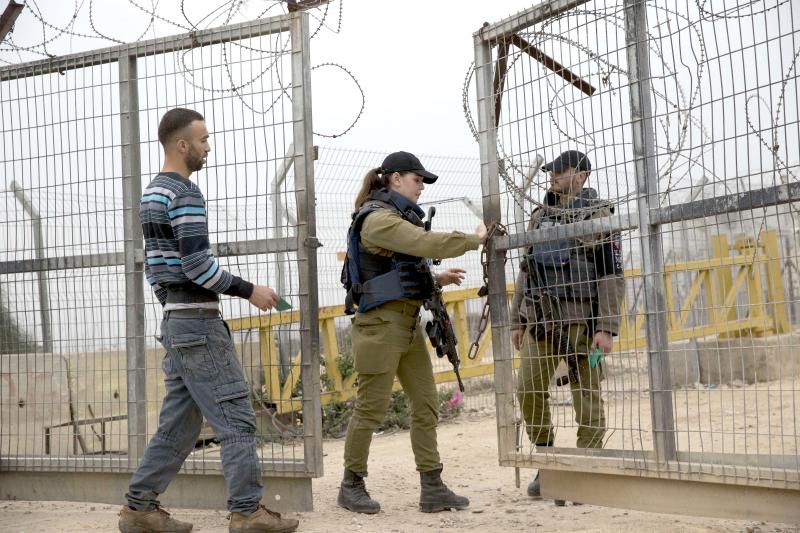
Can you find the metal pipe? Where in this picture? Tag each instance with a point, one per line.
(38, 252)
(278, 216)
(307, 237)
(160, 45)
(519, 212)
(477, 211)
(560, 70)
(490, 185)
(134, 253)
(525, 19)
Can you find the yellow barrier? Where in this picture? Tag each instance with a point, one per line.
(720, 278)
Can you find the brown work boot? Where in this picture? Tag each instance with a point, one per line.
(155, 521)
(263, 520)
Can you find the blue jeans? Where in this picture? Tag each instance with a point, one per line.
(203, 379)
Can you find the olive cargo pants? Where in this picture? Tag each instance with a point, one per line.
(388, 342)
(537, 366)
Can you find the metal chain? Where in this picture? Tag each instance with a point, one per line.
(496, 227)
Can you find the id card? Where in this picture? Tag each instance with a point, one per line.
(282, 305)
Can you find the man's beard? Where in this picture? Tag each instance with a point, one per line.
(194, 162)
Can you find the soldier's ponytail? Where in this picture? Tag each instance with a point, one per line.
(374, 179)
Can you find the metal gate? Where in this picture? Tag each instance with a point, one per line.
(690, 118)
(82, 381)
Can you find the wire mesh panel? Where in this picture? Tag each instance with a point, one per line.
(456, 197)
(63, 200)
(81, 366)
(685, 120)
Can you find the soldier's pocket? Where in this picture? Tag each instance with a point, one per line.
(372, 349)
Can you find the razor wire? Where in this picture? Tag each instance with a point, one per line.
(221, 14)
(673, 172)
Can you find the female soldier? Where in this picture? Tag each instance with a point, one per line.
(387, 276)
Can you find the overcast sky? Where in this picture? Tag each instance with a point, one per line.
(409, 56)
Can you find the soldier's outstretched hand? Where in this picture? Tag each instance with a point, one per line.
(451, 275)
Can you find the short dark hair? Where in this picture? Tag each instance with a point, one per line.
(175, 120)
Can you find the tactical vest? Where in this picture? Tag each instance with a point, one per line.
(565, 268)
(372, 280)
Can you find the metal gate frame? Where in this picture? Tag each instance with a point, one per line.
(105, 479)
(705, 484)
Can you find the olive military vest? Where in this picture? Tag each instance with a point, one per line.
(371, 279)
(565, 268)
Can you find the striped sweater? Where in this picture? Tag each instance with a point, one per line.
(179, 263)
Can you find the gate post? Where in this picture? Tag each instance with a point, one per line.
(498, 301)
(638, 53)
(134, 257)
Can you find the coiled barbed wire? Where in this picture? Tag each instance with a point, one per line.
(682, 104)
(733, 12)
(226, 11)
(361, 92)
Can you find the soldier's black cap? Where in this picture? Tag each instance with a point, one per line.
(405, 162)
(569, 159)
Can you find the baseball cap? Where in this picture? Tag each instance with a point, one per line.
(405, 162)
(569, 159)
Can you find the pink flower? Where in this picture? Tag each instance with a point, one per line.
(455, 400)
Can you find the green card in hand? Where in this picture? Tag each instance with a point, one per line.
(595, 357)
(282, 305)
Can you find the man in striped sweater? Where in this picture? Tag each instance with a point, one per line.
(203, 375)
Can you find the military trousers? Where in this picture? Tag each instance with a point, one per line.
(538, 364)
(388, 342)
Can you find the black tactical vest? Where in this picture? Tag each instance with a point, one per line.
(372, 280)
(565, 268)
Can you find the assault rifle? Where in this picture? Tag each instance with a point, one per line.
(440, 328)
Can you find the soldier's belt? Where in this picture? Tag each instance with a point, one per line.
(405, 308)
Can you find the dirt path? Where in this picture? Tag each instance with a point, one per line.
(469, 452)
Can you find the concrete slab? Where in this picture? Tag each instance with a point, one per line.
(35, 392)
(683, 363)
(749, 359)
(205, 491)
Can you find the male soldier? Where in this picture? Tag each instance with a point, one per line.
(567, 301)
(203, 375)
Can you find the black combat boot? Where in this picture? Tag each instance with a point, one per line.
(534, 488)
(435, 496)
(353, 495)
(535, 491)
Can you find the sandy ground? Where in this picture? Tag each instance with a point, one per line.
(469, 452)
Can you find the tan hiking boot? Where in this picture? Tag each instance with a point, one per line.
(155, 521)
(262, 521)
